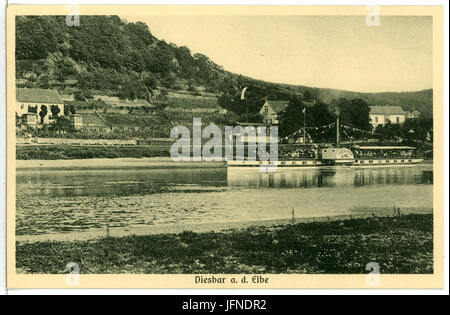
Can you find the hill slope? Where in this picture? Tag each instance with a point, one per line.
(106, 55)
(419, 100)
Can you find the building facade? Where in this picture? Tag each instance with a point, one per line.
(382, 115)
(30, 102)
(271, 111)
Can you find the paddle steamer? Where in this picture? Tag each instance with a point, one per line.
(315, 155)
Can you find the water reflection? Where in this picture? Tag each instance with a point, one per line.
(330, 177)
(144, 182)
(118, 182)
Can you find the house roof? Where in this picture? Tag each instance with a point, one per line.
(278, 106)
(386, 110)
(38, 96)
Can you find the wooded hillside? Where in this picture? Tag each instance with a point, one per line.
(109, 56)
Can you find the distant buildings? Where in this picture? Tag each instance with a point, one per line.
(381, 115)
(271, 111)
(31, 102)
(413, 114)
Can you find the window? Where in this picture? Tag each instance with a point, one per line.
(266, 110)
(376, 119)
(397, 119)
(22, 106)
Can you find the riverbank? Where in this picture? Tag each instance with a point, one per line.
(59, 152)
(117, 163)
(69, 152)
(138, 230)
(400, 245)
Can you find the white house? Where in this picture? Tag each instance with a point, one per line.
(381, 115)
(30, 102)
(271, 110)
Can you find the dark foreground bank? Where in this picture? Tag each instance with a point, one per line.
(400, 245)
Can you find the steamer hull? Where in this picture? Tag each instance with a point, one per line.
(335, 157)
(318, 163)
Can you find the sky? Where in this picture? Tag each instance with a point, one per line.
(338, 52)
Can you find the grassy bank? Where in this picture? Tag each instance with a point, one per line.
(69, 152)
(400, 245)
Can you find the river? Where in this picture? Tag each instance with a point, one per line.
(65, 201)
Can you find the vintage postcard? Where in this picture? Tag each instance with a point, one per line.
(225, 146)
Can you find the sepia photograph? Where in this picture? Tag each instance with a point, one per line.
(217, 142)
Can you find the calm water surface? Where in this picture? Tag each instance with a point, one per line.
(54, 201)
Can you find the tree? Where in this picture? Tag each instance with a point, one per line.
(18, 120)
(250, 106)
(388, 131)
(65, 68)
(86, 84)
(150, 81)
(251, 118)
(164, 94)
(413, 129)
(43, 81)
(307, 95)
(354, 113)
(291, 119)
(43, 113)
(160, 60)
(132, 89)
(168, 81)
(83, 95)
(69, 110)
(62, 124)
(225, 100)
(418, 129)
(36, 36)
(319, 115)
(54, 109)
(139, 34)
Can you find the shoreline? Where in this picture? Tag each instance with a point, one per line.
(401, 244)
(218, 227)
(115, 163)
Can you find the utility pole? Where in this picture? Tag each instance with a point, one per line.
(304, 125)
(246, 110)
(338, 140)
